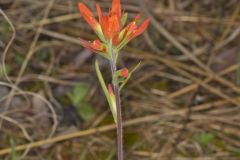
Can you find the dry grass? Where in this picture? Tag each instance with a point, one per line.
(182, 103)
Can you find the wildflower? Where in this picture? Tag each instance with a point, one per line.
(113, 34)
(110, 28)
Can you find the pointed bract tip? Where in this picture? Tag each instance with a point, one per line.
(88, 16)
(110, 90)
(116, 7)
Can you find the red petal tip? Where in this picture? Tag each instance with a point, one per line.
(110, 90)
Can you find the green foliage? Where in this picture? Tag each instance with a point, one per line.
(77, 99)
(19, 59)
(78, 94)
(220, 144)
(110, 98)
(85, 111)
(204, 138)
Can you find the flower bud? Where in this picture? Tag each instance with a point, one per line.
(124, 72)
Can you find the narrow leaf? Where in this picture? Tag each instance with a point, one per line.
(105, 90)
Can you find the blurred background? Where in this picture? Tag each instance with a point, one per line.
(181, 104)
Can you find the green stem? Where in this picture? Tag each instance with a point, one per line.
(119, 123)
(118, 105)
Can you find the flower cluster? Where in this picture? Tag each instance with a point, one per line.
(110, 28)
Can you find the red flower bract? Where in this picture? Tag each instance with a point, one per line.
(124, 72)
(110, 24)
(109, 27)
(88, 15)
(110, 89)
(96, 46)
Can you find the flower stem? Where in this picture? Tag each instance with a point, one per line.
(119, 123)
(119, 108)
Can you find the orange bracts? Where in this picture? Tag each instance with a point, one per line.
(96, 46)
(109, 28)
(88, 16)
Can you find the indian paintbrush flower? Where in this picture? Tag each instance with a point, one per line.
(113, 35)
(110, 28)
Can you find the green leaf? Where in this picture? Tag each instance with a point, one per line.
(204, 138)
(110, 99)
(85, 111)
(78, 94)
(101, 80)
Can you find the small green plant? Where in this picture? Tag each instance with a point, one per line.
(77, 97)
(204, 138)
